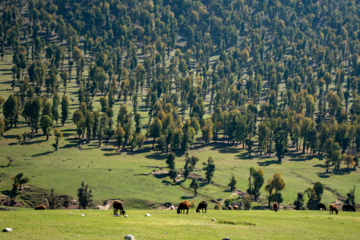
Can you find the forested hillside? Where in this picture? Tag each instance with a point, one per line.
(231, 83)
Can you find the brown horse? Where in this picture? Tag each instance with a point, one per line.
(202, 206)
(348, 207)
(118, 206)
(40, 207)
(275, 206)
(182, 206)
(322, 206)
(235, 207)
(333, 208)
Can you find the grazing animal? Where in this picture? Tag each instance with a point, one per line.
(118, 206)
(202, 206)
(333, 208)
(172, 207)
(236, 207)
(40, 207)
(322, 206)
(230, 207)
(182, 206)
(275, 206)
(348, 207)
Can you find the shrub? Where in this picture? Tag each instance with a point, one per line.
(227, 202)
(192, 204)
(247, 202)
(218, 206)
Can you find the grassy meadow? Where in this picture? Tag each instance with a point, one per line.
(100, 224)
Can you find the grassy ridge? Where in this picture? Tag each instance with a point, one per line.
(99, 224)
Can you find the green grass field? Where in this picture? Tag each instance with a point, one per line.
(100, 224)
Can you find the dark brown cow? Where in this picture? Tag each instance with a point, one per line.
(202, 206)
(321, 206)
(118, 206)
(275, 206)
(40, 207)
(333, 208)
(230, 207)
(348, 207)
(235, 207)
(185, 205)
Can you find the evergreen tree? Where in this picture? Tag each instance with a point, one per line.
(64, 109)
(194, 185)
(85, 195)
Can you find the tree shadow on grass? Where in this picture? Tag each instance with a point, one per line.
(299, 157)
(323, 175)
(245, 156)
(156, 156)
(320, 165)
(343, 171)
(113, 154)
(268, 163)
(42, 154)
(187, 197)
(166, 182)
(70, 145)
(33, 142)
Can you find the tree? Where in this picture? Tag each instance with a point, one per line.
(173, 174)
(335, 157)
(46, 123)
(247, 202)
(280, 144)
(64, 109)
(256, 180)
(170, 160)
(249, 143)
(119, 135)
(207, 131)
(351, 197)
(194, 185)
(55, 107)
(19, 179)
(155, 129)
(299, 202)
(85, 195)
(209, 169)
(35, 109)
(140, 140)
(314, 194)
(275, 183)
(2, 127)
(58, 135)
(11, 110)
(232, 183)
(348, 159)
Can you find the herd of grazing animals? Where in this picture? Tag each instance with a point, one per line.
(185, 205)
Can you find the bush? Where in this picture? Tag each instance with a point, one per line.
(227, 202)
(192, 204)
(247, 202)
(218, 206)
(299, 202)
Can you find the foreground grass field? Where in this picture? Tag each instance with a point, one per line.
(100, 224)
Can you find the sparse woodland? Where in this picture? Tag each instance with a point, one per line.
(273, 77)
